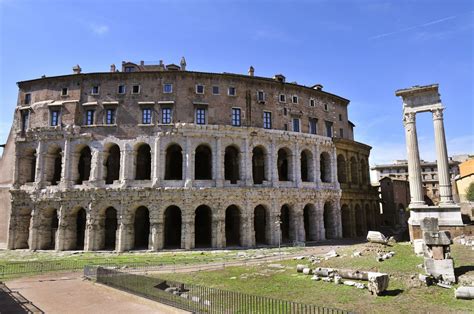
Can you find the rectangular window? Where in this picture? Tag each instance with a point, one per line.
(121, 89)
(296, 125)
(129, 69)
(231, 91)
(146, 116)
(260, 96)
(267, 120)
(199, 89)
(89, 117)
(282, 98)
(95, 90)
(311, 102)
(313, 126)
(340, 117)
(27, 99)
(165, 115)
(54, 117)
(341, 133)
(215, 90)
(136, 89)
(64, 91)
(236, 116)
(25, 117)
(285, 111)
(167, 88)
(294, 99)
(285, 127)
(200, 116)
(109, 116)
(328, 129)
(326, 107)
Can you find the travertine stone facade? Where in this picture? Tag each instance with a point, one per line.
(99, 164)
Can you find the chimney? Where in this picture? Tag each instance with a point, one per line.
(76, 69)
(112, 68)
(142, 62)
(161, 65)
(251, 71)
(318, 87)
(183, 64)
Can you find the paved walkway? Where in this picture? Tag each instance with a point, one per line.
(69, 293)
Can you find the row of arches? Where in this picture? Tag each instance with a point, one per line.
(356, 220)
(358, 170)
(74, 228)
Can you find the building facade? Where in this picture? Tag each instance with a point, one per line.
(156, 157)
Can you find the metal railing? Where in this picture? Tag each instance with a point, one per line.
(197, 299)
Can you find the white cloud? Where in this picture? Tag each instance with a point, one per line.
(99, 29)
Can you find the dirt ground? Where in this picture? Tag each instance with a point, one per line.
(69, 293)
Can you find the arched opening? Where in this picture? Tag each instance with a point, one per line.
(306, 166)
(283, 164)
(346, 221)
(310, 231)
(80, 228)
(174, 163)
(258, 165)
(325, 167)
(84, 165)
(260, 225)
(143, 164)
(329, 221)
(231, 164)
(203, 163)
(363, 172)
(232, 226)
(203, 227)
(112, 164)
(27, 167)
(369, 217)
(285, 224)
(360, 224)
(110, 228)
(53, 165)
(51, 223)
(354, 171)
(172, 227)
(341, 169)
(142, 228)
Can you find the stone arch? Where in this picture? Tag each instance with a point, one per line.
(325, 167)
(363, 171)
(142, 162)
(203, 227)
(141, 228)
(369, 217)
(341, 169)
(174, 162)
(354, 171)
(203, 163)
(47, 232)
(112, 163)
(284, 164)
(27, 166)
(84, 165)
(53, 164)
(309, 221)
(346, 221)
(80, 219)
(306, 166)
(110, 228)
(330, 220)
(233, 226)
(231, 164)
(259, 164)
(172, 227)
(359, 220)
(261, 225)
(285, 224)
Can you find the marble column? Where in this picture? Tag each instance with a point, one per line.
(39, 170)
(445, 192)
(66, 166)
(414, 166)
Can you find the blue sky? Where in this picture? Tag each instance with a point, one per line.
(362, 50)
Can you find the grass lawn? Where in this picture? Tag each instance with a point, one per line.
(404, 295)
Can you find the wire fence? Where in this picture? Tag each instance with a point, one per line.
(198, 299)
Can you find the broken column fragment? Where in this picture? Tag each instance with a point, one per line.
(376, 237)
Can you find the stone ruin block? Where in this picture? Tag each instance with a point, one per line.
(441, 269)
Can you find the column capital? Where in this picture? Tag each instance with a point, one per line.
(409, 117)
(437, 113)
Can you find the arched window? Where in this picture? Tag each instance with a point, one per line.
(231, 164)
(284, 164)
(325, 167)
(306, 166)
(143, 163)
(84, 165)
(53, 165)
(258, 165)
(354, 171)
(341, 169)
(174, 163)
(112, 164)
(203, 163)
(27, 166)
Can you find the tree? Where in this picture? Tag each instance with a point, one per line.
(470, 192)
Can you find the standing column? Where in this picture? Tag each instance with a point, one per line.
(273, 167)
(96, 176)
(39, 164)
(316, 165)
(126, 165)
(156, 162)
(16, 171)
(66, 168)
(35, 226)
(414, 167)
(334, 168)
(188, 167)
(218, 164)
(445, 192)
(246, 164)
(297, 165)
(60, 241)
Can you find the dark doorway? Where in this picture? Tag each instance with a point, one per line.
(110, 228)
(258, 165)
(329, 221)
(142, 228)
(143, 166)
(203, 227)
(203, 163)
(231, 164)
(260, 225)
(285, 224)
(54, 228)
(174, 163)
(112, 165)
(308, 227)
(172, 227)
(325, 167)
(283, 165)
(84, 165)
(346, 221)
(57, 167)
(305, 168)
(80, 228)
(32, 169)
(232, 226)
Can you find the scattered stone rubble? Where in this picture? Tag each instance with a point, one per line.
(376, 237)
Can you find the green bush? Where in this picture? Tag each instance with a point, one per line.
(470, 192)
